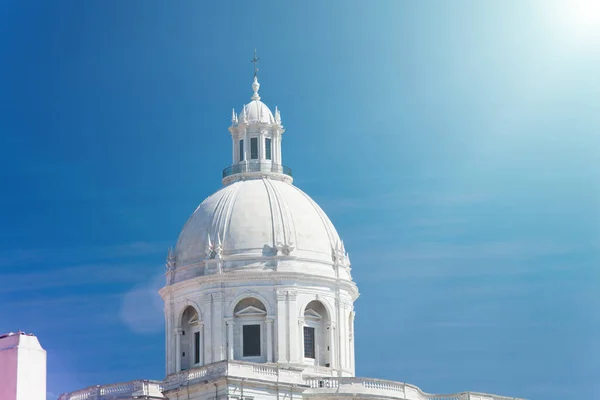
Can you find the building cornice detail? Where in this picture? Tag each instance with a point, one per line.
(349, 286)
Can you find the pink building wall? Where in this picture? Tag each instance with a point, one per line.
(22, 367)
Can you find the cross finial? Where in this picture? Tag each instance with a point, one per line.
(255, 60)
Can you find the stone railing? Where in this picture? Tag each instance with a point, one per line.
(254, 166)
(270, 373)
(236, 369)
(384, 388)
(117, 391)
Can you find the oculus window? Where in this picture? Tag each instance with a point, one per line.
(309, 342)
(251, 341)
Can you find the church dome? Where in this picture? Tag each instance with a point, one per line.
(257, 111)
(257, 218)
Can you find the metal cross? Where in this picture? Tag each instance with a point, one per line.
(255, 60)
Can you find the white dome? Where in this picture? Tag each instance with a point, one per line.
(257, 111)
(252, 218)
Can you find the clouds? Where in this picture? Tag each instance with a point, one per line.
(68, 255)
(116, 288)
(141, 307)
(395, 200)
(106, 286)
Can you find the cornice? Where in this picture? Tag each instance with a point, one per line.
(349, 286)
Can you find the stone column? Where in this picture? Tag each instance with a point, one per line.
(246, 145)
(281, 327)
(168, 337)
(230, 344)
(178, 332)
(233, 147)
(351, 335)
(332, 352)
(261, 146)
(276, 149)
(342, 336)
(217, 327)
(294, 351)
(269, 327)
(201, 342)
(301, 337)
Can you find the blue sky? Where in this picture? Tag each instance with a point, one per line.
(454, 145)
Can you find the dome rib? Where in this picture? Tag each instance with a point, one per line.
(270, 196)
(289, 221)
(217, 215)
(324, 219)
(254, 213)
(231, 204)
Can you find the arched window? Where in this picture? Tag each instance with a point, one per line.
(191, 349)
(316, 334)
(249, 330)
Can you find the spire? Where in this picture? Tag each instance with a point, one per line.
(255, 87)
(255, 60)
(255, 84)
(277, 116)
(244, 115)
(233, 117)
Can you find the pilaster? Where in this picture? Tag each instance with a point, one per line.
(333, 361)
(230, 344)
(178, 333)
(217, 339)
(269, 327)
(293, 348)
(282, 329)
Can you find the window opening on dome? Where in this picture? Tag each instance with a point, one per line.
(268, 148)
(251, 341)
(254, 148)
(241, 150)
(196, 347)
(309, 342)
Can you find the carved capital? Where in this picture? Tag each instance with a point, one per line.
(281, 294)
(217, 297)
(292, 294)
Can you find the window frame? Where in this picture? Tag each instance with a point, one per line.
(311, 329)
(254, 148)
(268, 149)
(243, 334)
(241, 150)
(196, 347)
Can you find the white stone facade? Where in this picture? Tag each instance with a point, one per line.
(259, 299)
(22, 367)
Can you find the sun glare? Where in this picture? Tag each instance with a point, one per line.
(586, 12)
(580, 18)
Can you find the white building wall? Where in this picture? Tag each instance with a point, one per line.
(282, 339)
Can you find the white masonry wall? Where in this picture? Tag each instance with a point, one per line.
(22, 367)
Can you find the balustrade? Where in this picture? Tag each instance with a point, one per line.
(372, 387)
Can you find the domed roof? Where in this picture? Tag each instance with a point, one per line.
(254, 218)
(257, 111)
